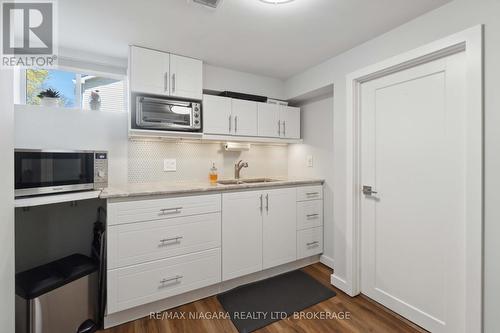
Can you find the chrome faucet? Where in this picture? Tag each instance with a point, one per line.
(237, 168)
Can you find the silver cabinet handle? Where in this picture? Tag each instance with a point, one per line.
(174, 278)
(235, 124)
(261, 205)
(267, 202)
(312, 243)
(312, 193)
(173, 83)
(166, 240)
(166, 211)
(312, 215)
(229, 123)
(165, 83)
(284, 128)
(279, 127)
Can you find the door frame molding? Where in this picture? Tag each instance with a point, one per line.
(469, 41)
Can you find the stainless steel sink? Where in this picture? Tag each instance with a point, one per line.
(246, 181)
(259, 180)
(229, 182)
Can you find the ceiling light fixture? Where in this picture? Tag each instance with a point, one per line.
(276, 2)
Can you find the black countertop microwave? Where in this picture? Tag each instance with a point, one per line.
(41, 172)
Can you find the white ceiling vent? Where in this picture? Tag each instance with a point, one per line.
(208, 3)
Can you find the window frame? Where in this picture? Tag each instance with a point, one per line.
(21, 79)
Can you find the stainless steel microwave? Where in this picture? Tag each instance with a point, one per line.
(167, 114)
(39, 172)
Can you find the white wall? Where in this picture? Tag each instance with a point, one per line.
(6, 202)
(316, 128)
(449, 19)
(38, 127)
(222, 79)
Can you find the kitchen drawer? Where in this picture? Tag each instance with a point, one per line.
(158, 209)
(135, 243)
(309, 242)
(309, 214)
(310, 193)
(141, 284)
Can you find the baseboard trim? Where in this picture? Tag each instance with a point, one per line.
(326, 261)
(341, 284)
(145, 310)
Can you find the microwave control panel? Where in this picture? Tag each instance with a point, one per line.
(100, 170)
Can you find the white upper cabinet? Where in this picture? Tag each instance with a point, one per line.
(244, 117)
(161, 73)
(269, 124)
(149, 71)
(186, 77)
(216, 115)
(290, 122)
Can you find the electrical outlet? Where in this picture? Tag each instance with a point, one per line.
(169, 164)
(309, 161)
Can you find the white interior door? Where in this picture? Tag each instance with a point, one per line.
(413, 227)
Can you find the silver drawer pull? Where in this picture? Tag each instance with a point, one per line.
(313, 243)
(312, 193)
(173, 239)
(312, 215)
(175, 278)
(166, 211)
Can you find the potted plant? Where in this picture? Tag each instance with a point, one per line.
(49, 97)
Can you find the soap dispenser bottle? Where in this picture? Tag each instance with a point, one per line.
(213, 175)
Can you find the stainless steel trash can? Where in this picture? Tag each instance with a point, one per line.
(57, 297)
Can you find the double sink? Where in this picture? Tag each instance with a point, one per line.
(246, 181)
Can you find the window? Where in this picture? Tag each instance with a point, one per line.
(76, 90)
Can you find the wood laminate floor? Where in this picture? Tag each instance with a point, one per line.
(365, 316)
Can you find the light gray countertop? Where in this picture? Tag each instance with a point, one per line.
(160, 188)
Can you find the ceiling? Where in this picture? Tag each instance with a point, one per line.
(246, 35)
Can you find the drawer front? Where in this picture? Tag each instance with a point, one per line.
(310, 193)
(158, 209)
(141, 284)
(309, 242)
(309, 214)
(135, 243)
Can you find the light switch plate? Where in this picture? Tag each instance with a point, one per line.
(309, 161)
(170, 164)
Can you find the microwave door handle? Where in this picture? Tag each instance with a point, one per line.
(166, 101)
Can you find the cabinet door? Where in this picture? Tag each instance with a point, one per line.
(216, 115)
(244, 117)
(149, 71)
(268, 120)
(241, 234)
(290, 122)
(279, 227)
(186, 77)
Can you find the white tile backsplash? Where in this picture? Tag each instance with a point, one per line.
(145, 162)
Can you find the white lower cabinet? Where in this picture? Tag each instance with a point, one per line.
(162, 247)
(241, 233)
(140, 284)
(309, 242)
(279, 232)
(258, 231)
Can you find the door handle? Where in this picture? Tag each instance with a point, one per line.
(166, 211)
(235, 124)
(279, 127)
(267, 202)
(229, 123)
(368, 190)
(173, 83)
(174, 278)
(165, 82)
(261, 204)
(284, 128)
(166, 240)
